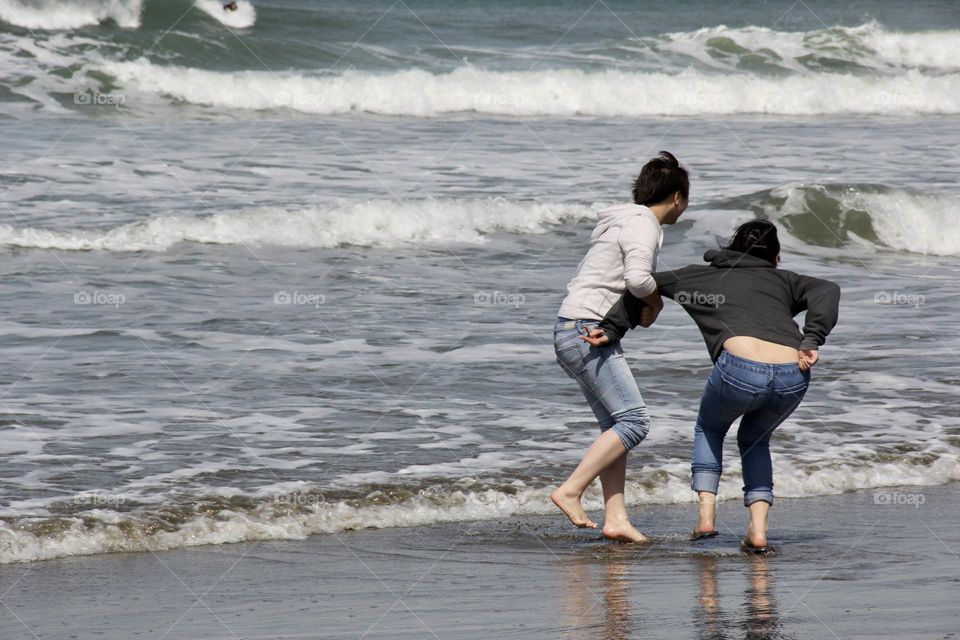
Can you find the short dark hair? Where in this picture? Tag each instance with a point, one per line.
(659, 179)
(757, 238)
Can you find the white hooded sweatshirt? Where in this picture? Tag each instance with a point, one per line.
(623, 254)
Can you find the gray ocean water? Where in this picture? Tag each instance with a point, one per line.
(295, 270)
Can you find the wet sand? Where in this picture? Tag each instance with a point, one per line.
(871, 564)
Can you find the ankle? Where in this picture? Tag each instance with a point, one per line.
(568, 492)
(616, 519)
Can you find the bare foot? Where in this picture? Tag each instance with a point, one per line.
(757, 527)
(707, 520)
(756, 536)
(571, 507)
(624, 532)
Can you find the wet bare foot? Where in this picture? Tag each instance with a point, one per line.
(571, 507)
(624, 532)
(699, 534)
(756, 536)
(707, 519)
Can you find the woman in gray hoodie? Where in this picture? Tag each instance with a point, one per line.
(622, 256)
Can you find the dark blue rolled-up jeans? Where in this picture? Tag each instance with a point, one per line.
(764, 395)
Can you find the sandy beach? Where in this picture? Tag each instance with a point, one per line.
(875, 564)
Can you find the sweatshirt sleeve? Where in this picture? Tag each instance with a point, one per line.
(622, 316)
(821, 299)
(640, 242)
(625, 313)
(667, 282)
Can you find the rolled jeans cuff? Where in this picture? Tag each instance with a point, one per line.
(762, 495)
(705, 481)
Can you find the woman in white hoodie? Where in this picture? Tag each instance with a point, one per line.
(622, 256)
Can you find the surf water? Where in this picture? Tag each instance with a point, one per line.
(294, 269)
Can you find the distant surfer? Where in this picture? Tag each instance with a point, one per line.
(744, 306)
(230, 6)
(622, 256)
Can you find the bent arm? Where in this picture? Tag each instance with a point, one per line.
(622, 316)
(626, 312)
(639, 242)
(821, 299)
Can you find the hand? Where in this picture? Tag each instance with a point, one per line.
(596, 337)
(648, 316)
(807, 358)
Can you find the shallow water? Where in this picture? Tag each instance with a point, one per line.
(228, 324)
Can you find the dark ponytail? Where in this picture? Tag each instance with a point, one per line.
(659, 179)
(756, 238)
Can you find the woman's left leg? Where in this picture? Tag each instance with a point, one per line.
(609, 387)
(606, 459)
(720, 406)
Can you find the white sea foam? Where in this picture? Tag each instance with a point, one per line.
(67, 14)
(245, 16)
(370, 223)
(868, 45)
(902, 220)
(913, 222)
(103, 530)
(560, 92)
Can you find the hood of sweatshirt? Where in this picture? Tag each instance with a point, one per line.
(614, 216)
(727, 259)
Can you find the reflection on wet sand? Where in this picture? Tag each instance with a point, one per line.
(602, 591)
(760, 620)
(597, 597)
(712, 625)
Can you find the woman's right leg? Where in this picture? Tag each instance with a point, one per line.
(613, 480)
(601, 457)
(753, 440)
(720, 405)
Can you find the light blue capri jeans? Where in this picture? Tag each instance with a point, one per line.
(605, 379)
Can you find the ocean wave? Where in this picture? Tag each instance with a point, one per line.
(307, 511)
(867, 47)
(561, 92)
(837, 215)
(369, 223)
(867, 69)
(65, 14)
(825, 216)
(244, 17)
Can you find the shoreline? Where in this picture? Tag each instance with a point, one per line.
(850, 565)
